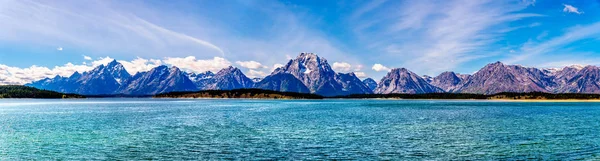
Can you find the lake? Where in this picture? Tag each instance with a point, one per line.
(174, 129)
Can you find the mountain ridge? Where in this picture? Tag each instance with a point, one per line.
(309, 73)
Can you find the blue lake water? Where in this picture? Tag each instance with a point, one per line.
(173, 129)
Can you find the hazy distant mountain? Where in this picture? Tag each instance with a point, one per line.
(230, 78)
(283, 82)
(427, 78)
(101, 80)
(158, 80)
(400, 80)
(498, 77)
(57, 83)
(448, 81)
(256, 80)
(351, 84)
(202, 80)
(369, 82)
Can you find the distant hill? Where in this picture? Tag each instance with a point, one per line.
(240, 93)
(16, 91)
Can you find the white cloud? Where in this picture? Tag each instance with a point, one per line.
(360, 75)
(87, 57)
(140, 65)
(358, 67)
(256, 74)
(198, 65)
(15, 75)
(141, 27)
(250, 64)
(379, 68)
(571, 9)
(102, 61)
(59, 48)
(342, 67)
(275, 66)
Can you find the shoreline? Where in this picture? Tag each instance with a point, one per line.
(379, 99)
(399, 99)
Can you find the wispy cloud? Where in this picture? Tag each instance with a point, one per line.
(532, 52)
(571, 9)
(251, 64)
(100, 28)
(142, 29)
(85, 57)
(435, 36)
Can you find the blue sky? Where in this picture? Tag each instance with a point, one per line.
(45, 38)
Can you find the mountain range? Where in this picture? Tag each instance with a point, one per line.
(309, 73)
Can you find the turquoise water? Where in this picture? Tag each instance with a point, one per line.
(170, 129)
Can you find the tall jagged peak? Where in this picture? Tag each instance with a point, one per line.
(207, 73)
(448, 81)
(448, 73)
(307, 55)
(174, 68)
(589, 67)
(401, 80)
(75, 75)
(230, 69)
(98, 68)
(160, 67)
(576, 66)
(56, 77)
(113, 63)
(495, 65)
(230, 78)
(400, 70)
(306, 65)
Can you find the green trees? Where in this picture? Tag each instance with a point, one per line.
(17, 91)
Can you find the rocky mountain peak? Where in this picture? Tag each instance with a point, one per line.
(160, 67)
(586, 80)
(497, 77)
(75, 75)
(399, 70)
(229, 78)
(576, 66)
(401, 80)
(589, 68)
(57, 77)
(113, 63)
(351, 84)
(369, 82)
(228, 70)
(448, 81)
